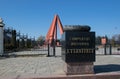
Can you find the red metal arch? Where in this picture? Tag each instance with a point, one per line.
(52, 32)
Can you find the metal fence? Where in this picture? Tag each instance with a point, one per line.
(107, 50)
(45, 50)
(14, 41)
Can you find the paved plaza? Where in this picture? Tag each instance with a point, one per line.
(45, 66)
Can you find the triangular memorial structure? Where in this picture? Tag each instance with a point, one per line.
(52, 32)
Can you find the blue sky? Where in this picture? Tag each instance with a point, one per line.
(34, 17)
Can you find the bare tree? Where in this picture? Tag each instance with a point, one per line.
(41, 40)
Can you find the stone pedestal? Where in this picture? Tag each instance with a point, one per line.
(1, 36)
(79, 68)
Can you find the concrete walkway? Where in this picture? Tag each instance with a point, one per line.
(46, 66)
(30, 66)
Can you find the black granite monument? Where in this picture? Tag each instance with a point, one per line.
(78, 46)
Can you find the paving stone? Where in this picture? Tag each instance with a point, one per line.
(43, 66)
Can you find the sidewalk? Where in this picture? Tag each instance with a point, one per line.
(46, 66)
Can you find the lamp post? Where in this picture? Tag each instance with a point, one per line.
(1, 36)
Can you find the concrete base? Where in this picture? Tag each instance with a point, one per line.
(86, 76)
(79, 68)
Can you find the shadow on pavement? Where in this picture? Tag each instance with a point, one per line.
(106, 68)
